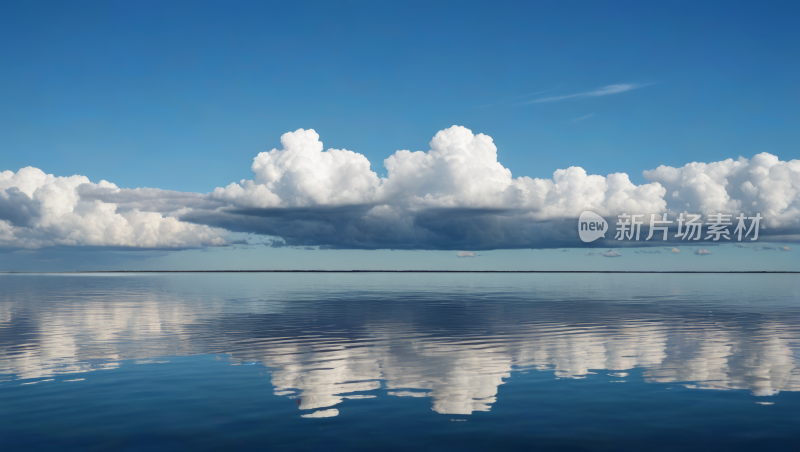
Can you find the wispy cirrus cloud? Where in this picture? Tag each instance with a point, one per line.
(517, 98)
(583, 117)
(599, 92)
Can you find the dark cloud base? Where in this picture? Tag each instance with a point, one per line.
(352, 227)
(358, 227)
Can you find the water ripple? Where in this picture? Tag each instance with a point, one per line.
(325, 339)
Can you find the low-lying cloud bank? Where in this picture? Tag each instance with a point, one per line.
(39, 210)
(455, 196)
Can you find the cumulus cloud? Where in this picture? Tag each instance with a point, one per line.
(702, 252)
(302, 174)
(673, 250)
(453, 196)
(785, 248)
(466, 254)
(763, 184)
(611, 253)
(39, 210)
(460, 171)
(457, 195)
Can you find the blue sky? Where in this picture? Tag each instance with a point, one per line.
(182, 95)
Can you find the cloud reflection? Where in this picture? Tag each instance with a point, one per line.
(456, 351)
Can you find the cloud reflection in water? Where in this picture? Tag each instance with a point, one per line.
(346, 339)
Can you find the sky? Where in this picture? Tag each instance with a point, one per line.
(181, 97)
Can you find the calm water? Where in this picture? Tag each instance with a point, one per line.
(396, 361)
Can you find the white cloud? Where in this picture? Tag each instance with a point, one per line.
(611, 253)
(39, 210)
(785, 248)
(466, 254)
(702, 252)
(455, 196)
(673, 250)
(603, 91)
(460, 171)
(763, 184)
(302, 174)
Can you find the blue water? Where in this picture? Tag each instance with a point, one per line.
(399, 361)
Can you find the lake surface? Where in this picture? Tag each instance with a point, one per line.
(399, 361)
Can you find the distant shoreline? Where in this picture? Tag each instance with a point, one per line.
(403, 271)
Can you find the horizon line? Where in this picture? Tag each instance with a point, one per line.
(402, 271)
